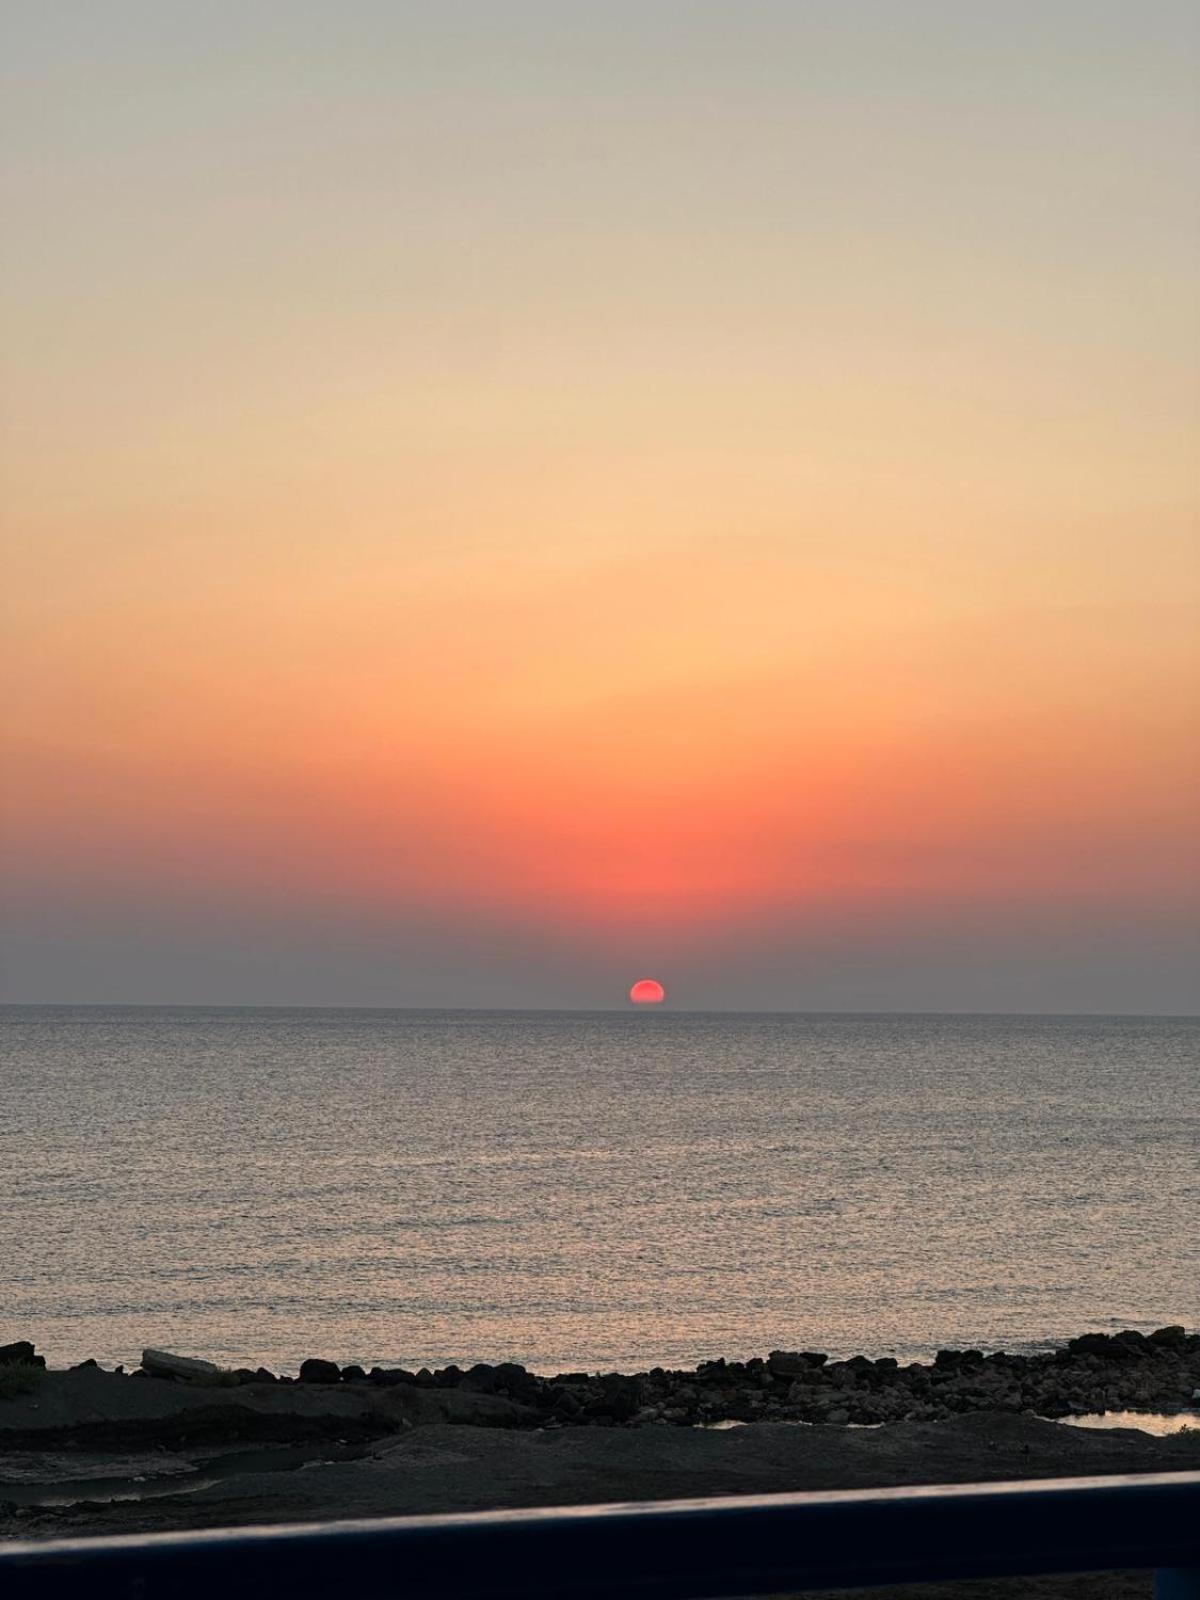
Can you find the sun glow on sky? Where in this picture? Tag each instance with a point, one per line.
(600, 490)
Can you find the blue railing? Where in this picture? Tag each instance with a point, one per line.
(675, 1550)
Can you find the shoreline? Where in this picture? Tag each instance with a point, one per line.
(86, 1452)
(1092, 1373)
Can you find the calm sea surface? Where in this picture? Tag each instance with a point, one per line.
(589, 1190)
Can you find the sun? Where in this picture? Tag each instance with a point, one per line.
(647, 992)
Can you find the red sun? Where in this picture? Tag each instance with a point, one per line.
(647, 992)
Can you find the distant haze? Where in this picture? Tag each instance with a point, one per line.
(503, 499)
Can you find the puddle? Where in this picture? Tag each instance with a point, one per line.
(782, 1422)
(1161, 1424)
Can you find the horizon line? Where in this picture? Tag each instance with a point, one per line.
(628, 1008)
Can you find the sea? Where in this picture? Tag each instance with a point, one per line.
(572, 1190)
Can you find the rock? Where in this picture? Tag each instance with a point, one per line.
(245, 1375)
(162, 1364)
(1171, 1337)
(314, 1370)
(481, 1378)
(391, 1377)
(85, 1366)
(1118, 1348)
(20, 1353)
(1132, 1340)
(353, 1374)
(565, 1402)
(791, 1363)
(619, 1399)
(265, 1375)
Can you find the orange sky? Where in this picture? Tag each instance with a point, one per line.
(668, 501)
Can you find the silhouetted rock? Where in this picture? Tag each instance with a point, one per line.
(314, 1370)
(353, 1374)
(21, 1352)
(618, 1399)
(791, 1363)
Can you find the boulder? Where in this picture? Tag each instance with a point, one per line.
(1171, 1337)
(314, 1370)
(353, 1374)
(619, 1398)
(20, 1353)
(162, 1364)
(791, 1363)
(391, 1377)
(1108, 1349)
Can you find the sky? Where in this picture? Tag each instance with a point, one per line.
(503, 500)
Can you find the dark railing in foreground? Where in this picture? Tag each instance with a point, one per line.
(672, 1550)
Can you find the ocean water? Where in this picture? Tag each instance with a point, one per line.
(589, 1190)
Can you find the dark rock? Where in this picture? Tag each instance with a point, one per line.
(21, 1352)
(353, 1374)
(791, 1363)
(1089, 1344)
(314, 1370)
(951, 1360)
(391, 1377)
(619, 1398)
(1132, 1340)
(83, 1366)
(481, 1378)
(1171, 1338)
(448, 1377)
(512, 1379)
(245, 1375)
(265, 1375)
(1099, 1344)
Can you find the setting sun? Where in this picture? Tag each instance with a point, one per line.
(647, 992)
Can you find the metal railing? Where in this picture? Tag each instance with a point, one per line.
(673, 1550)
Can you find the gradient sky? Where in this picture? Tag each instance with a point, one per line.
(506, 498)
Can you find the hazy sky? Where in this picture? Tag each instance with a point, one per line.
(506, 498)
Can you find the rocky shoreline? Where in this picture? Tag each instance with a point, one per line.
(1093, 1373)
(182, 1444)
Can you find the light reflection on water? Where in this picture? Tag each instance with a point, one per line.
(1159, 1423)
(604, 1190)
